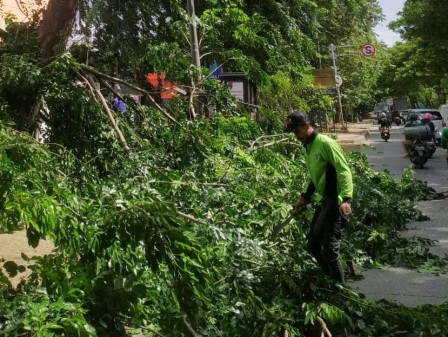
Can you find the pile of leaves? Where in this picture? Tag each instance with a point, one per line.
(176, 238)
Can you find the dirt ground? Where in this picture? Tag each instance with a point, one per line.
(11, 247)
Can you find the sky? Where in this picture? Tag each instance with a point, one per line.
(390, 10)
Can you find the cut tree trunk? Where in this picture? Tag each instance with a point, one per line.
(57, 24)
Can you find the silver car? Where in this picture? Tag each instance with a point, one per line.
(437, 119)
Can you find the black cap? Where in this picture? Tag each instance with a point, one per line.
(294, 120)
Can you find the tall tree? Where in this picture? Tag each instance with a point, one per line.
(424, 22)
(405, 74)
(421, 63)
(57, 23)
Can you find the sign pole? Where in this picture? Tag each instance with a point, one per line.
(332, 48)
(196, 59)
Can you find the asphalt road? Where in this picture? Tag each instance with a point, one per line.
(390, 156)
(403, 285)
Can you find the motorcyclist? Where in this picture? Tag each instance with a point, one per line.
(427, 120)
(389, 117)
(396, 117)
(384, 122)
(406, 143)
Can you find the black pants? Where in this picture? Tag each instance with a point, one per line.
(323, 238)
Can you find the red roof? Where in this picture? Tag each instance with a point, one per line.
(157, 79)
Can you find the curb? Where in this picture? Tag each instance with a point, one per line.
(355, 137)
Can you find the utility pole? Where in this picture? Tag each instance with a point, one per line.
(194, 35)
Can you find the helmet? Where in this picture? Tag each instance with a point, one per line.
(427, 116)
(383, 114)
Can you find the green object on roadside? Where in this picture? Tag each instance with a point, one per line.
(444, 141)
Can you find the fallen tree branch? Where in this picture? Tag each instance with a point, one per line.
(61, 173)
(83, 79)
(190, 329)
(144, 177)
(264, 136)
(189, 183)
(117, 80)
(283, 140)
(190, 217)
(109, 87)
(108, 112)
(214, 184)
(116, 93)
(325, 331)
(227, 222)
(152, 330)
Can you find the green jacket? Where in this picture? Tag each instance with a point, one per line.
(445, 138)
(328, 169)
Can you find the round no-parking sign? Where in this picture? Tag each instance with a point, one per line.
(368, 49)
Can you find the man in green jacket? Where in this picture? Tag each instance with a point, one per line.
(331, 182)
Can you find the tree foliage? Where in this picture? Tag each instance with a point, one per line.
(185, 228)
(422, 22)
(405, 76)
(419, 65)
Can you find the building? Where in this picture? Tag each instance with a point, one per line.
(19, 11)
(243, 89)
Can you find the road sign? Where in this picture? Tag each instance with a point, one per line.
(323, 78)
(331, 47)
(333, 56)
(331, 91)
(368, 49)
(338, 80)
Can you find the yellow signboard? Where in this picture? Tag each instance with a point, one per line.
(324, 78)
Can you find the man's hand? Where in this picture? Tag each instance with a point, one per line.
(346, 209)
(300, 205)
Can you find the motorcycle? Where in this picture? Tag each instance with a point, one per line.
(385, 133)
(418, 153)
(431, 147)
(397, 120)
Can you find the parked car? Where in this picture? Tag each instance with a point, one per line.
(444, 111)
(437, 119)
